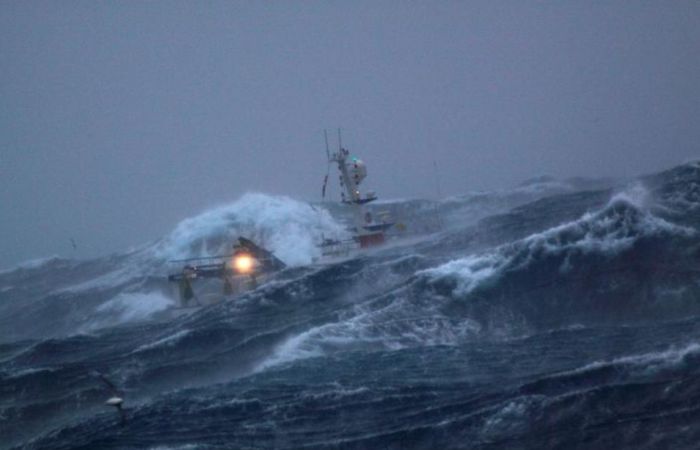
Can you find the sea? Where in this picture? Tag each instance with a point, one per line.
(557, 314)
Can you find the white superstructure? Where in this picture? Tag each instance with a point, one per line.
(352, 170)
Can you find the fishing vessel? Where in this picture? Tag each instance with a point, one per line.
(251, 264)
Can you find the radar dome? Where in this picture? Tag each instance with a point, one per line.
(357, 170)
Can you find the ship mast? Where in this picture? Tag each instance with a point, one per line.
(352, 172)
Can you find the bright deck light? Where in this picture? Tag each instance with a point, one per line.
(243, 263)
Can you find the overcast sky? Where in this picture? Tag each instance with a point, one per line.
(120, 118)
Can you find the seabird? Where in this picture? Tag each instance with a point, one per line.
(116, 399)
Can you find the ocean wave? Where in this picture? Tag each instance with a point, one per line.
(388, 325)
(167, 341)
(125, 308)
(646, 364)
(31, 264)
(287, 227)
(607, 232)
(112, 279)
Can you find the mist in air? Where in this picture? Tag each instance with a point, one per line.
(119, 120)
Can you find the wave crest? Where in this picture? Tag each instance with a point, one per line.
(287, 227)
(607, 232)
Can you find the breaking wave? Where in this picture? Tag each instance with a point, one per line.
(127, 307)
(616, 228)
(289, 228)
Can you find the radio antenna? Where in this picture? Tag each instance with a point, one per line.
(328, 167)
(440, 222)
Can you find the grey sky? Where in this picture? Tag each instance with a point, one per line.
(118, 119)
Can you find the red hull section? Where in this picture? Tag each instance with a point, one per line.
(369, 240)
